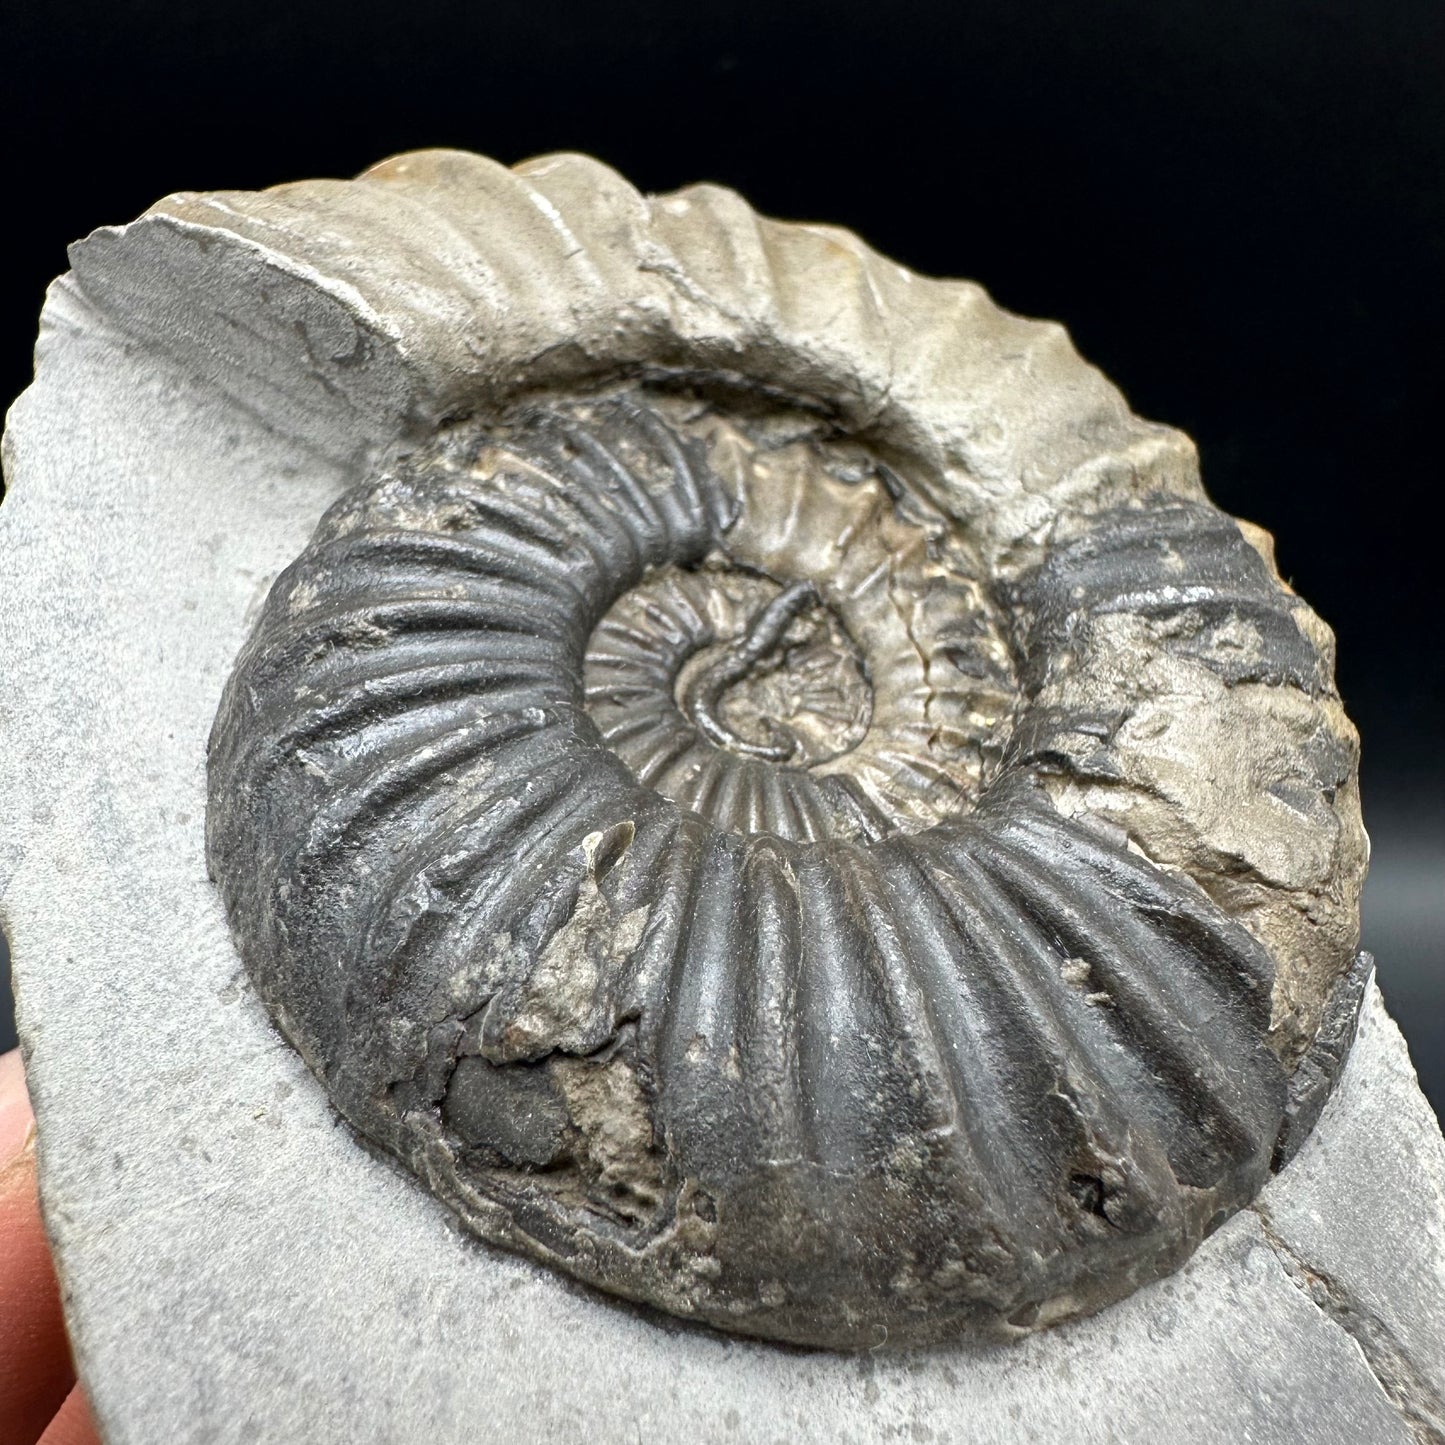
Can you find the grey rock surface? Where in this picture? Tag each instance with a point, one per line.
(236, 1267)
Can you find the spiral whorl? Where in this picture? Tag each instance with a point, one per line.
(645, 817)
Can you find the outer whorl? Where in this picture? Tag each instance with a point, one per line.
(723, 864)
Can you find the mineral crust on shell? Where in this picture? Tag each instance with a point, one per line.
(1157, 955)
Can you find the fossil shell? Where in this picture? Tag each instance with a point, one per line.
(845, 864)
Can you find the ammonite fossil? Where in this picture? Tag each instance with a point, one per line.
(772, 873)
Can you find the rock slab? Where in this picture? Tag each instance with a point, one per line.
(235, 1267)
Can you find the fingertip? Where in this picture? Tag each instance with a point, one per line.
(35, 1370)
(16, 1120)
(73, 1423)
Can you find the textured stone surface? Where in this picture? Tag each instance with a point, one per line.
(236, 1268)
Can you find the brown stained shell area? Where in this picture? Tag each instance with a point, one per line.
(642, 816)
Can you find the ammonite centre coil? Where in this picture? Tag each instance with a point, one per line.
(718, 869)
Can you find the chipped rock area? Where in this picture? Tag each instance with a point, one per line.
(235, 1267)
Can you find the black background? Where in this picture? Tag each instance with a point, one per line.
(1236, 207)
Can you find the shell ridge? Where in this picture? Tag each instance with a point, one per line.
(773, 950)
(497, 818)
(1051, 1040)
(1202, 1064)
(695, 1051)
(946, 950)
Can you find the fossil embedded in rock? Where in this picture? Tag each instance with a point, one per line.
(762, 874)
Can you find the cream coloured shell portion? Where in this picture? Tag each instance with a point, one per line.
(489, 280)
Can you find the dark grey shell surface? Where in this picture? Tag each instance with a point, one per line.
(779, 993)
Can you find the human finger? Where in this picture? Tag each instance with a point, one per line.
(35, 1368)
(72, 1424)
